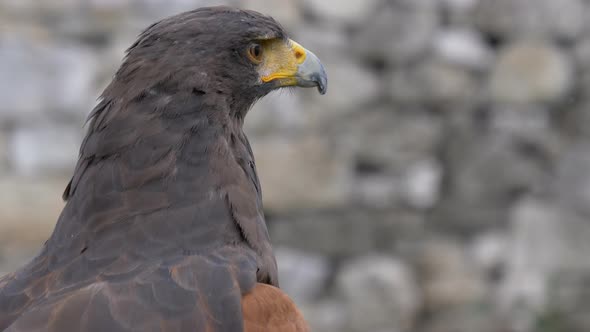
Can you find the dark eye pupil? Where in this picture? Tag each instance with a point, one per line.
(256, 50)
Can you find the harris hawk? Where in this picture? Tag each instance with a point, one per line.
(163, 228)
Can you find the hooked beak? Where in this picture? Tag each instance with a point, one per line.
(290, 64)
(311, 73)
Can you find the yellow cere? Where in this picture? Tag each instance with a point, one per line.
(281, 60)
(299, 51)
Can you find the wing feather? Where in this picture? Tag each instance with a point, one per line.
(196, 293)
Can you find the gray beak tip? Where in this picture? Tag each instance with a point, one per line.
(322, 81)
(312, 73)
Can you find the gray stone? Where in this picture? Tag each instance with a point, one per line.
(573, 179)
(22, 84)
(342, 12)
(14, 256)
(582, 54)
(399, 32)
(529, 72)
(109, 5)
(29, 208)
(422, 184)
(16, 6)
(464, 48)
(569, 302)
(548, 241)
(280, 112)
(577, 119)
(71, 84)
(336, 234)
(459, 6)
(391, 139)
(329, 43)
(153, 9)
(40, 7)
(459, 13)
(3, 153)
(38, 150)
(302, 275)
(387, 145)
(325, 316)
(435, 82)
(287, 12)
(400, 230)
(379, 294)
(485, 174)
(102, 21)
(39, 77)
(378, 190)
(301, 172)
(514, 19)
(489, 253)
(520, 120)
(468, 319)
(448, 278)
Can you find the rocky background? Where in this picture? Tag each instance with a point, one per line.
(442, 185)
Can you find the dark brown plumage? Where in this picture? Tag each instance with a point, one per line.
(163, 229)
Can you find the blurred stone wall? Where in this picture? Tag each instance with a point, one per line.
(442, 185)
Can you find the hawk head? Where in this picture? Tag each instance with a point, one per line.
(241, 54)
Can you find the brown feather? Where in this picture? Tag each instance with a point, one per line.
(268, 309)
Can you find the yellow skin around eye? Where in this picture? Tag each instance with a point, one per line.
(281, 60)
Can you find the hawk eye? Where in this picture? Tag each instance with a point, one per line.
(255, 53)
